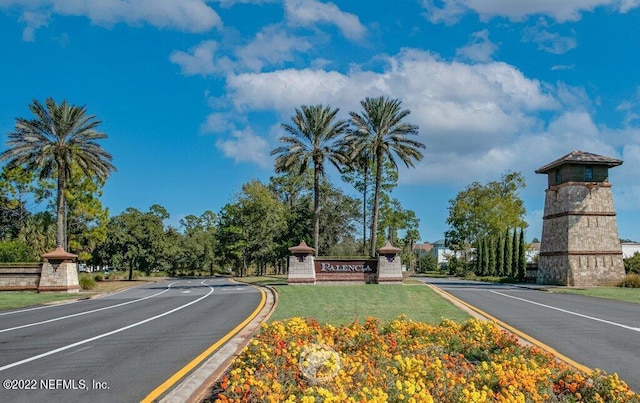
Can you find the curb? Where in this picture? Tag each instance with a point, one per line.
(524, 338)
(196, 386)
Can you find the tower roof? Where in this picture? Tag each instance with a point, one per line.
(582, 158)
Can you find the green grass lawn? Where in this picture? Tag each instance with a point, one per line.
(616, 293)
(18, 299)
(343, 304)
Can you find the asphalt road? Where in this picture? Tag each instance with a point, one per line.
(594, 332)
(119, 347)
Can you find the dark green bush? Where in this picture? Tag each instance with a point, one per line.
(632, 264)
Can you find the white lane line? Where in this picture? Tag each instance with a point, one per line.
(635, 329)
(38, 308)
(100, 336)
(84, 313)
(60, 304)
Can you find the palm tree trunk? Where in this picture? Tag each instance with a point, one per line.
(376, 199)
(60, 221)
(364, 208)
(316, 208)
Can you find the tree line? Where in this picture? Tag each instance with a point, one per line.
(502, 256)
(55, 158)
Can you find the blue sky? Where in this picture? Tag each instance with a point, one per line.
(192, 92)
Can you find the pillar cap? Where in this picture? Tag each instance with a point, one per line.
(302, 249)
(59, 254)
(389, 249)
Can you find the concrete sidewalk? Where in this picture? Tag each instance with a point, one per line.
(196, 386)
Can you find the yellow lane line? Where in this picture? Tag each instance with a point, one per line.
(512, 329)
(196, 361)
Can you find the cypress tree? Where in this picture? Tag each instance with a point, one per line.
(485, 257)
(479, 257)
(492, 257)
(500, 256)
(515, 254)
(508, 250)
(522, 260)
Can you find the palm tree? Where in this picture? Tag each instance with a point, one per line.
(312, 138)
(59, 137)
(379, 130)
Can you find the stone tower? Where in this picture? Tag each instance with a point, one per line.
(580, 243)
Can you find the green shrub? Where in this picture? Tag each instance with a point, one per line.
(632, 263)
(87, 282)
(631, 281)
(98, 277)
(15, 251)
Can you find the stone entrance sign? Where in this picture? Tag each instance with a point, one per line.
(304, 268)
(346, 270)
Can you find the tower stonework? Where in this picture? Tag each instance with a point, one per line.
(580, 242)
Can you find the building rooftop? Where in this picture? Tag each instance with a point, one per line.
(580, 157)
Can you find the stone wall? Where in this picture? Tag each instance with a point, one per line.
(580, 242)
(20, 276)
(41, 277)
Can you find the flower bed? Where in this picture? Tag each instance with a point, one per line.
(299, 360)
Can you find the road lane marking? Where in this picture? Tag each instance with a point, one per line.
(63, 303)
(101, 336)
(635, 329)
(84, 313)
(512, 329)
(157, 392)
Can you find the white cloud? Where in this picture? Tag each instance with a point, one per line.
(218, 123)
(183, 15)
(627, 196)
(246, 146)
(626, 5)
(199, 59)
(231, 3)
(481, 49)
(559, 67)
(470, 116)
(272, 46)
(309, 12)
(549, 41)
(477, 121)
(561, 11)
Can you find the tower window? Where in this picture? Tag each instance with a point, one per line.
(588, 173)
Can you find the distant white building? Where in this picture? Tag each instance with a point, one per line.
(532, 252)
(629, 249)
(441, 252)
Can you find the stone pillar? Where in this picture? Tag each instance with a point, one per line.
(389, 265)
(59, 272)
(301, 265)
